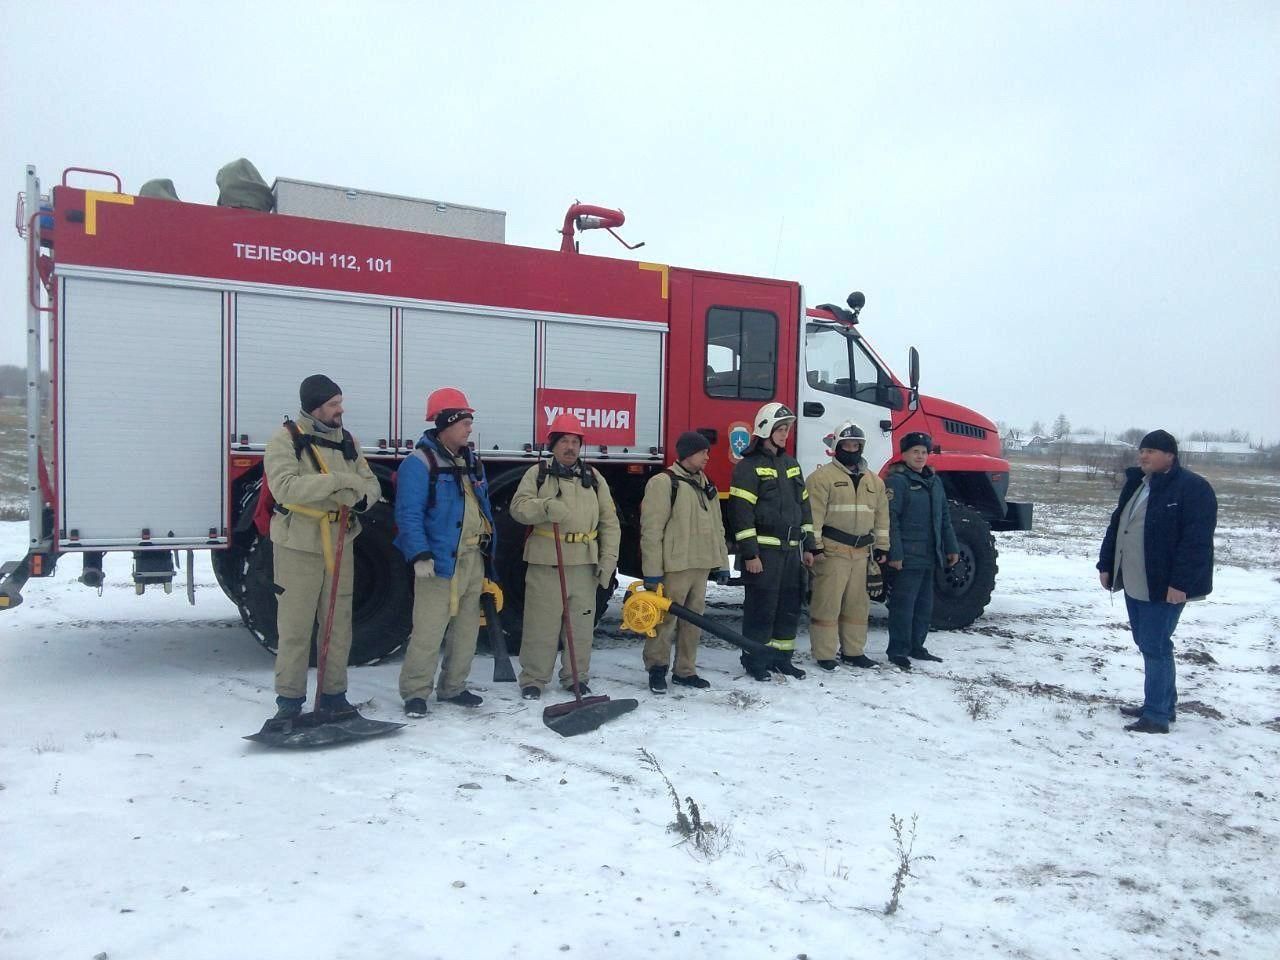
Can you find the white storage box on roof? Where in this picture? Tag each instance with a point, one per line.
(319, 201)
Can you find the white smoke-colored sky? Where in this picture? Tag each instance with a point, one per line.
(1069, 208)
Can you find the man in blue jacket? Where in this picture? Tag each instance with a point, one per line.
(1159, 551)
(921, 540)
(445, 529)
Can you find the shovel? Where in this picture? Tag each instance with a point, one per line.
(581, 714)
(317, 728)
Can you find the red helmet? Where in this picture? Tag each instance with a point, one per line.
(446, 398)
(566, 423)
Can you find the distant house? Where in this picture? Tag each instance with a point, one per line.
(1219, 451)
(1076, 445)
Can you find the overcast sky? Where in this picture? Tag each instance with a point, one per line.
(1069, 208)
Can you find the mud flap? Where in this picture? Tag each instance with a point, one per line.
(308, 731)
(583, 716)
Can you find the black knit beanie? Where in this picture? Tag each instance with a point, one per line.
(316, 391)
(451, 415)
(690, 443)
(1159, 440)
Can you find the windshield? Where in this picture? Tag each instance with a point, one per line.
(837, 363)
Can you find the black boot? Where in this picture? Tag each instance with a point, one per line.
(289, 708)
(859, 661)
(1143, 725)
(334, 706)
(1136, 712)
(902, 663)
(693, 680)
(920, 653)
(657, 679)
(415, 707)
(784, 666)
(755, 669)
(465, 699)
(827, 665)
(530, 693)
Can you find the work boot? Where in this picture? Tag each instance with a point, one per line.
(864, 662)
(415, 707)
(579, 689)
(1136, 712)
(334, 706)
(784, 666)
(922, 654)
(693, 680)
(902, 663)
(530, 693)
(827, 665)
(465, 699)
(657, 679)
(289, 708)
(1143, 725)
(755, 669)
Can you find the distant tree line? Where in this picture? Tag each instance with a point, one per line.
(13, 381)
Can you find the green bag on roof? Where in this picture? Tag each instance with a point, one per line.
(241, 185)
(158, 190)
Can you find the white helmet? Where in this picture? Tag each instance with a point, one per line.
(770, 417)
(846, 431)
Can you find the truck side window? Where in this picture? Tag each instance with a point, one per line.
(742, 353)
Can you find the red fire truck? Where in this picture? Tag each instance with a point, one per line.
(177, 333)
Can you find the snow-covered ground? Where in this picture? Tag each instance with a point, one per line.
(137, 824)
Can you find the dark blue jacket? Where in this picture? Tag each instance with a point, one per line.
(427, 527)
(918, 516)
(1182, 513)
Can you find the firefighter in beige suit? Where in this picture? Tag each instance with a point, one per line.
(567, 492)
(850, 518)
(681, 545)
(312, 474)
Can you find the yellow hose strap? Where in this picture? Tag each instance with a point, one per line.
(746, 495)
(324, 518)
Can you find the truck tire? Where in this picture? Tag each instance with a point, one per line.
(963, 592)
(382, 612)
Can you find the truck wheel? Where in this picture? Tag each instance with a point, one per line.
(382, 611)
(963, 592)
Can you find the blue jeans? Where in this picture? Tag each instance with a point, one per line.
(1153, 623)
(910, 609)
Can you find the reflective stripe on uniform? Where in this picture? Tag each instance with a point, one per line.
(769, 541)
(766, 472)
(806, 527)
(745, 534)
(793, 471)
(850, 508)
(746, 495)
(804, 494)
(785, 644)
